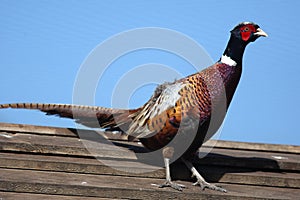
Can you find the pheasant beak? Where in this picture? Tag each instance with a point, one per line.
(260, 32)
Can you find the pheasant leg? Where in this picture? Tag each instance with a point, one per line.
(200, 180)
(168, 182)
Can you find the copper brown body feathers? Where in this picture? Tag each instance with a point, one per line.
(198, 95)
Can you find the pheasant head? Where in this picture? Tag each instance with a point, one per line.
(240, 37)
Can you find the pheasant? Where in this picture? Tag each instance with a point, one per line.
(192, 108)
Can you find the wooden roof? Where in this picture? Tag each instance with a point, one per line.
(52, 163)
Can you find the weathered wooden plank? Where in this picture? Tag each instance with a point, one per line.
(249, 146)
(79, 165)
(103, 148)
(11, 129)
(124, 187)
(32, 196)
(97, 145)
(251, 159)
(126, 168)
(42, 130)
(250, 177)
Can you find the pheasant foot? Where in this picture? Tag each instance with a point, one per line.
(204, 184)
(173, 185)
(200, 180)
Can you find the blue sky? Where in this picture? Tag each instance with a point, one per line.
(44, 43)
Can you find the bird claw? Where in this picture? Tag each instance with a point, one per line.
(175, 186)
(210, 186)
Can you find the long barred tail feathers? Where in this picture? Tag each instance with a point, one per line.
(91, 116)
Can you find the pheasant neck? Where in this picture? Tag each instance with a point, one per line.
(234, 51)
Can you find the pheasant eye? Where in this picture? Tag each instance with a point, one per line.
(246, 29)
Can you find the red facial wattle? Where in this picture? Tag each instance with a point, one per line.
(246, 31)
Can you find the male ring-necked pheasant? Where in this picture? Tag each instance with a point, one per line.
(185, 106)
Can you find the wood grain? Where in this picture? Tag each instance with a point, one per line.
(48, 163)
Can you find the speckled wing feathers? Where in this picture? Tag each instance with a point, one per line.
(164, 98)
